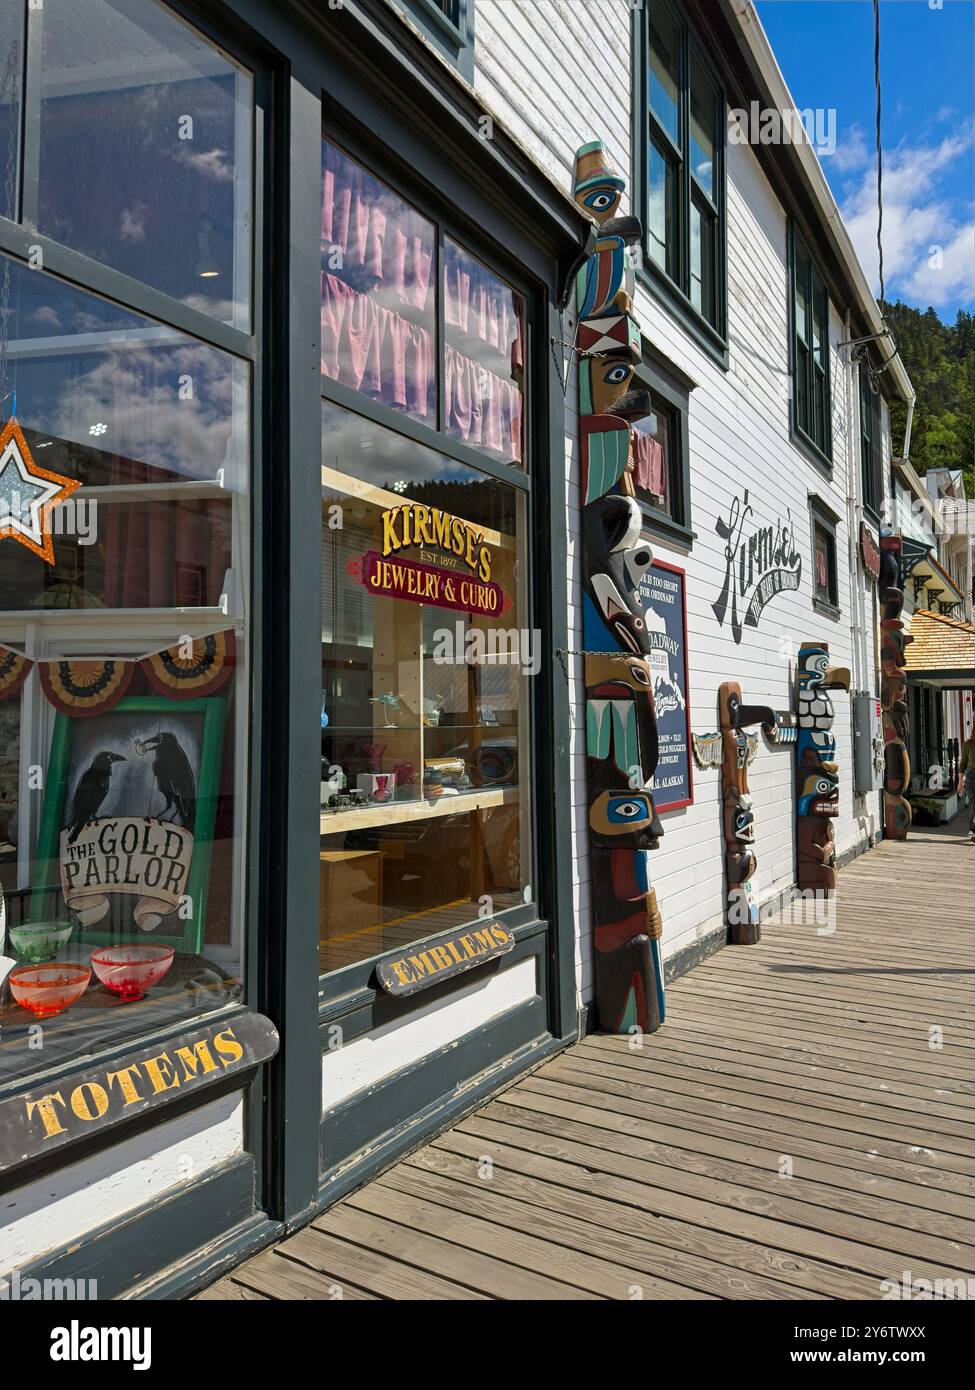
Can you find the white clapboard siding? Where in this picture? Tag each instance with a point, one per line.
(557, 72)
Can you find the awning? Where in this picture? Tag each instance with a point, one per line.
(934, 587)
(942, 652)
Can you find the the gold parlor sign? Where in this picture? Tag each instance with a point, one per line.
(74, 1106)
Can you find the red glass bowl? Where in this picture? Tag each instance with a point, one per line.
(46, 990)
(130, 970)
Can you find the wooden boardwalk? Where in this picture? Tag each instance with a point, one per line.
(793, 1132)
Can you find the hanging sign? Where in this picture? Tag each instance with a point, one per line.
(663, 599)
(74, 1107)
(760, 562)
(869, 551)
(453, 569)
(444, 957)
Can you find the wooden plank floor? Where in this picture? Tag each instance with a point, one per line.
(801, 1128)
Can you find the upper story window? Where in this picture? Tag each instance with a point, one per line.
(449, 25)
(810, 353)
(871, 452)
(826, 588)
(680, 143)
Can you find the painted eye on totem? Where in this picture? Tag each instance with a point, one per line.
(629, 810)
(640, 675)
(599, 201)
(824, 787)
(616, 374)
(821, 664)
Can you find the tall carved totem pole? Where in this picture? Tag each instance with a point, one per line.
(893, 690)
(817, 781)
(621, 721)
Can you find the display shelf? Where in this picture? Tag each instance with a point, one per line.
(390, 813)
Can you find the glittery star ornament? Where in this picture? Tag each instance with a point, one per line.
(28, 494)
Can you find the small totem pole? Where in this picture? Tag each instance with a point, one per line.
(817, 789)
(621, 725)
(893, 690)
(733, 750)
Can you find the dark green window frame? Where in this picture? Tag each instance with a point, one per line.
(689, 274)
(811, 413)
(871, 450)
(449, 25)
(822, 523)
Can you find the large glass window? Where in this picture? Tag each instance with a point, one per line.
(425, 731)
(125, 462)
(427, 649)
(122, 670)
(684, 143)
(145, 139)
(810, 352)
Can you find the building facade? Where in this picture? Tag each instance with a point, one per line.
(294, 805)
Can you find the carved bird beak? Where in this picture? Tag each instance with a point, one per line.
(837, 676)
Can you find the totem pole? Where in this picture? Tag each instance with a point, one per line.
(817, 788)
(621, 724)
(733, 750)
(893, 690)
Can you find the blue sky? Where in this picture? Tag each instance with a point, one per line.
(825, 51)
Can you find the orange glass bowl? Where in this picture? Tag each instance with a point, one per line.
(130, 970)
(46, 990)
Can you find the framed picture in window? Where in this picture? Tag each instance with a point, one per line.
(128, 821)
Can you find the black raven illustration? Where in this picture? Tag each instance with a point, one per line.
(91, 791)
(174, 777)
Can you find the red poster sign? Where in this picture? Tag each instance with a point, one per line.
(416, 583)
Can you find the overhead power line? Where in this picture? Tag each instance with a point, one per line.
(880, 158)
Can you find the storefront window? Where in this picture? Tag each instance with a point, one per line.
(124, 549)
(425, 671)
(145, 141)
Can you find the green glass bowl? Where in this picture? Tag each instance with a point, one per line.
(36, 942)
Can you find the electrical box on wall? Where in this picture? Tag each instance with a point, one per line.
(868, 744)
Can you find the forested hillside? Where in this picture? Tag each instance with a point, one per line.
(940, 360)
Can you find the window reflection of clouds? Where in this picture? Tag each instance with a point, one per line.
(167, 402)
(378, 455)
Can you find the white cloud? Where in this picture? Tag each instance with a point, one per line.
(851, 152)
(927, 239)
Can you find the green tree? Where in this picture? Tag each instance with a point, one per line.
(940, 360)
